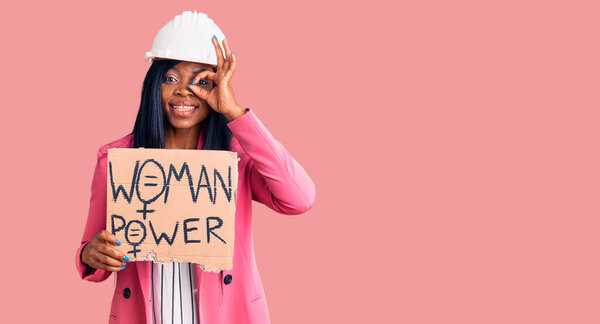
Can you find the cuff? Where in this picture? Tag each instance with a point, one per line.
(233, 122)
(85, 272)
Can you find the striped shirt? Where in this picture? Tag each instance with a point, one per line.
(174, 293)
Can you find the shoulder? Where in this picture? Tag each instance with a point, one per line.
(123, 142)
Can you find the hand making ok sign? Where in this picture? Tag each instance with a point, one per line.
(220, 98)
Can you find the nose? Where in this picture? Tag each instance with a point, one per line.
(183, 90)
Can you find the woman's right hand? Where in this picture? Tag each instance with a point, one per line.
(100, 253)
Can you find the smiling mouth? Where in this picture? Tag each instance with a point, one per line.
(183, 108)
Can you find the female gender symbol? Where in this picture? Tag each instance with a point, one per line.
(151, 185)
(136, 229)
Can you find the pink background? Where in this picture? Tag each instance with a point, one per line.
(454, 147)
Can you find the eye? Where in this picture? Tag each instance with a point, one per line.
(202, 82)
(170, 79)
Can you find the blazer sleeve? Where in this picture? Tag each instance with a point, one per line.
(277, 180)
(96, 220)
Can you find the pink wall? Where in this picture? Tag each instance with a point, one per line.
(454, 146)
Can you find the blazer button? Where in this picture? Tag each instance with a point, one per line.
(126, 293)
(227, 279)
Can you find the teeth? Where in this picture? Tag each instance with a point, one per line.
(183, 108)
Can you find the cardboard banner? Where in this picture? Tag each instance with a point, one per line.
(173, 205)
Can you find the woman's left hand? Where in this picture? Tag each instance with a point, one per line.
(221, 97)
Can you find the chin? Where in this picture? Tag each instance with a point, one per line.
(184, 124)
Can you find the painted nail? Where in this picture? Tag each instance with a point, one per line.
(215, 37)
(123, 267)
(126, 258)
(119, 243)
(234, 53)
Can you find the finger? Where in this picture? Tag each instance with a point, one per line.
(108, 261)
(99, 264)
(204, 74)
(199, 91)
(109, 237)
(113, 252)
(110, 268)
(232, 62)
(220, 59)
(227, 62)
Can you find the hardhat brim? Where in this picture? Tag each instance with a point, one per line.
(151, 58)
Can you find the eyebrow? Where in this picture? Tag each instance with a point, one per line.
(195, 72)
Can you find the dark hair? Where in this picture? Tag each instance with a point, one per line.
(150, 125)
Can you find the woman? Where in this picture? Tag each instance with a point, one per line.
(190, 104)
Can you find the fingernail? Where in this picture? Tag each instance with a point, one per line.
(215, 37)
(234, 53)
(119, 243)
(123, 267)
(126, 258)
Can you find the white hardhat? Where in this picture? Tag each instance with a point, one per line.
(187, 38)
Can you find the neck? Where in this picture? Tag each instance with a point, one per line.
(186, 139)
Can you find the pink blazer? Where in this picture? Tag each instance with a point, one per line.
(267, 174)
